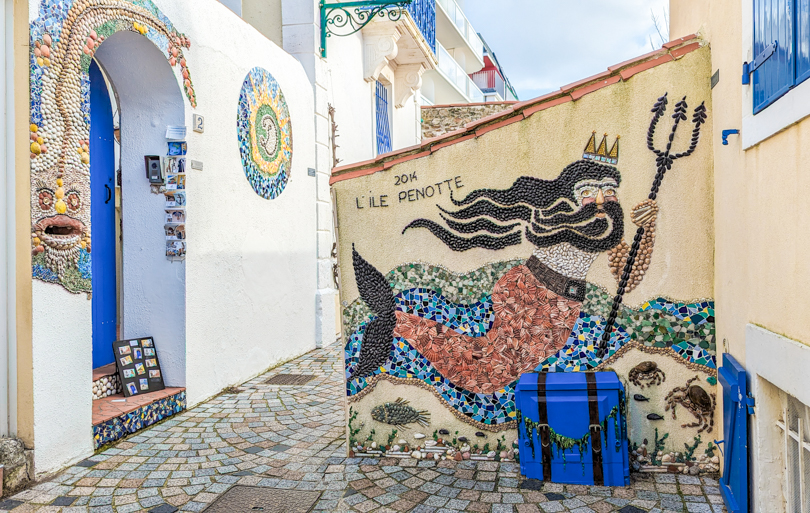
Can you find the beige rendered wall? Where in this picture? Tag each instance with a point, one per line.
(541, 146)
(760, 260)
(265, 16)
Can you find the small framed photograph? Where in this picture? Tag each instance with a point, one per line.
(127, 360)
(147, 342)
(151, 363)
(133, 343)
(175, 199)
(154, 373)
(177, 148)
(175, 182)
(144, 384)
(175, 232)
(175, 216)
(139, 369)
(123, 350)
(136, 353)
(175, 248)
(129, 373)
(132, 389)
(148, 351)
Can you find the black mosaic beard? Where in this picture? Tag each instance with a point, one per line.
(582, 229)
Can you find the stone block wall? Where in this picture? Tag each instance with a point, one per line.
(438, 120)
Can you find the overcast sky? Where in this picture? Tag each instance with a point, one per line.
(545, 44)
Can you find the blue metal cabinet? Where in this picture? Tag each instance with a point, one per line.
(572, 428)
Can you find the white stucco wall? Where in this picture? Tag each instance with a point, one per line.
(251, 262)
(62, 340)
(154, 287)
(250, 272)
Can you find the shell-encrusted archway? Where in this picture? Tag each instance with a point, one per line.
(64, 38)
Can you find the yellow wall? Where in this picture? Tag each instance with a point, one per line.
(761, 270)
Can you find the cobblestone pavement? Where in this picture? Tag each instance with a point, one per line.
(291, 438)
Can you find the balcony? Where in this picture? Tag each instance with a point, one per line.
(449, 83)
(423, 13)
(455, 32)
(491, 84)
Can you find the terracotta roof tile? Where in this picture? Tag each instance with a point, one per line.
(520, 110)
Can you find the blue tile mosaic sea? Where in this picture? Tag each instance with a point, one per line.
(688, 329)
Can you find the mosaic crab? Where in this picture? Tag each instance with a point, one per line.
(699, 403)
(647, 374)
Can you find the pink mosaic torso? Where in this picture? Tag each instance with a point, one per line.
(531, 323)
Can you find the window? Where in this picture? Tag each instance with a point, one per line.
(788, 23)
(383, 119)
(796, 429)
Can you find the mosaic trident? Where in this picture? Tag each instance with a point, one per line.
(663, 160)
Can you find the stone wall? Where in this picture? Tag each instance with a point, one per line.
(442, 119)
(18, 465)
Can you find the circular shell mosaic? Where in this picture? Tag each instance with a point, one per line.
(265, 134)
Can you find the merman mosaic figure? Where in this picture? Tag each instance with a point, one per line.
(570, 220)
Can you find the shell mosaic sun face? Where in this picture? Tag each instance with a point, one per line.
(265, 134)
(64, 38)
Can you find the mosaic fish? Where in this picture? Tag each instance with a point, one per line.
(399, 413)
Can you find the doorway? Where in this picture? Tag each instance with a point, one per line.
(102, 213)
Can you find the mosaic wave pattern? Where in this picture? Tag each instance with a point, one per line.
(406, 362)
(136, 420)
(579, 353)
(265, 134)
(473, 320)
(456, 288)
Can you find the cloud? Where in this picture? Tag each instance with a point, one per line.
(545, 44)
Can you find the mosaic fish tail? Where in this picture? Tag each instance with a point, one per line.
(379, 334)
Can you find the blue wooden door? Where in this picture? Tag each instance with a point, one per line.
(102, 218)
(737, 405)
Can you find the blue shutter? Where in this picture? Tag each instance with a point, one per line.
(802, 40)
(773, 21)
(383, 121)
(737, 405)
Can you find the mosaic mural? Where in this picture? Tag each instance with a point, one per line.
(64, 37)
(145, 416)
(468, 337)
(265, 134)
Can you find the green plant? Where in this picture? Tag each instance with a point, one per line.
(370, 437)
(690, 449)
(455, 440)
(486, 448)
(500, 447)
(392, 436)
(436, 435)
(659, 446)
(352, 430)
(710, 450)
(475, 448)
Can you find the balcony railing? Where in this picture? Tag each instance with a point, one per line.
(490, 81)
(455, 74)
(461, 22)
(423, 13)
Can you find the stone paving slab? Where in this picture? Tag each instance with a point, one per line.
(292, 438)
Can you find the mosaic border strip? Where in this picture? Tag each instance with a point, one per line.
(372, 384)
(128, 423)
(654, 350)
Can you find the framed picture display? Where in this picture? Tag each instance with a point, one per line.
(138, 366)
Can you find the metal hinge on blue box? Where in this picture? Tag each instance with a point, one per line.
(572, 428)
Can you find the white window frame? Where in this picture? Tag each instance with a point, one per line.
(786, 111)
(798, 436)
(772, 362)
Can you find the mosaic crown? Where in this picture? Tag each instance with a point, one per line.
(601, 154)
